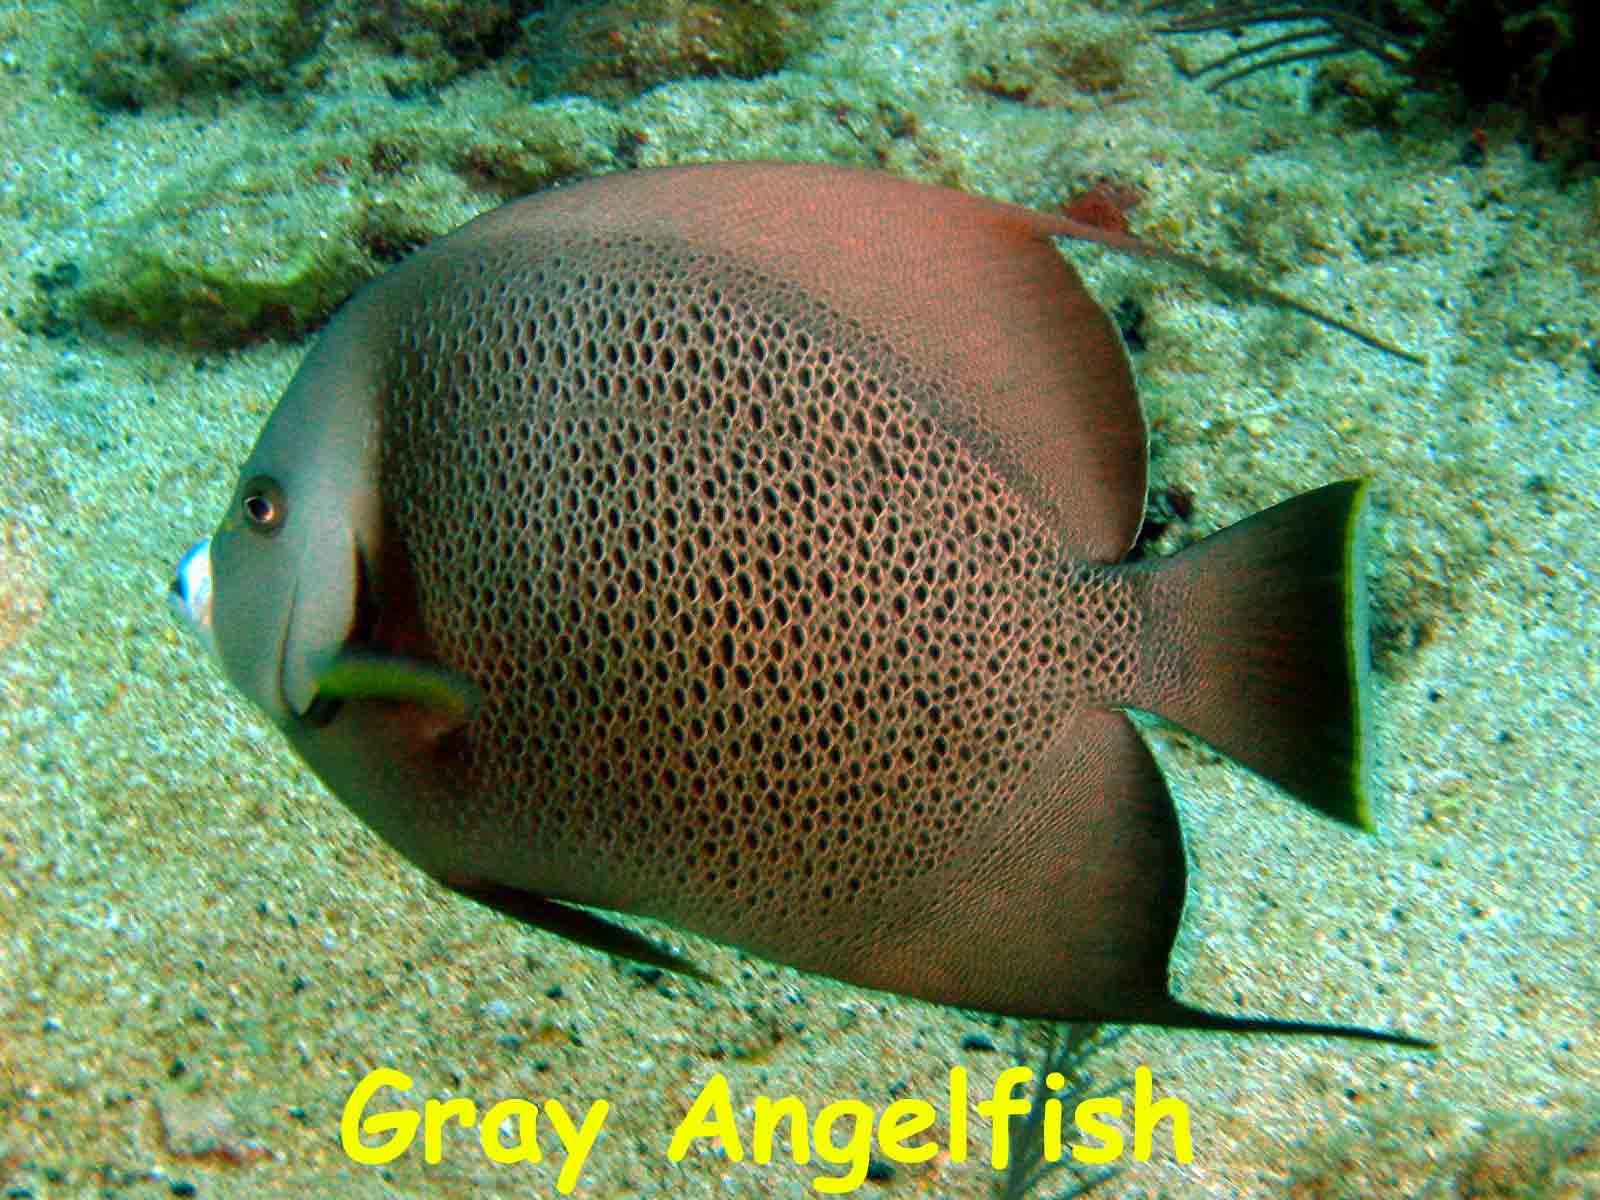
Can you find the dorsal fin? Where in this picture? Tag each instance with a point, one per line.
(1233, 281)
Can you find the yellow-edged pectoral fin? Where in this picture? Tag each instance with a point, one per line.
(360, 676)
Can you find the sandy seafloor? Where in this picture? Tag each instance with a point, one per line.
(201, 952)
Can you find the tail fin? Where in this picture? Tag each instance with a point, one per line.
(1261, 647)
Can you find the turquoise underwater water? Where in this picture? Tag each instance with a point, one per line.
(203, 955)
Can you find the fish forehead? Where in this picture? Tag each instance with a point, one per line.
(762, 631)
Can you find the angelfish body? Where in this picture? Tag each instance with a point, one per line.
(739, 546)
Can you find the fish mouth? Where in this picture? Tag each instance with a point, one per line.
(189, 593)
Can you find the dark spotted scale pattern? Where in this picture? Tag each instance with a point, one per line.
(762, 633)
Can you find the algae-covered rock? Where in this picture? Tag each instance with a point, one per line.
(268, 243)
(1052, 58)
(434, 41)
(1534, 57)
(524, 149)
(253, 248)
(143, 52)
(620, 48)
(208, 300)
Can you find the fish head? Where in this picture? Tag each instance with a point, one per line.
(291, 558)
(307, 602)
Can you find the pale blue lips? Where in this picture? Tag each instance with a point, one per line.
(190, 594)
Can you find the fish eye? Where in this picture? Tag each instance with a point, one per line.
(262, 504)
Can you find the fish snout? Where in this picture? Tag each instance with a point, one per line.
(190, 593)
